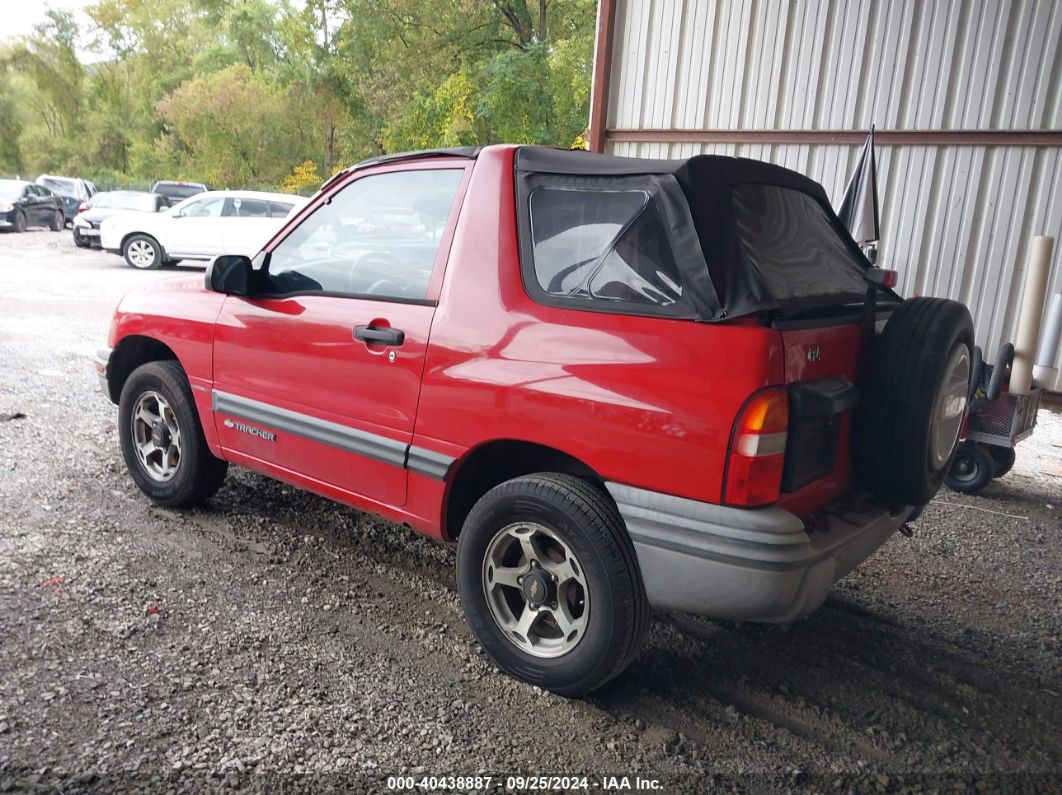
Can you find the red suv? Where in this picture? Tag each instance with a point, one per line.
(617, 384)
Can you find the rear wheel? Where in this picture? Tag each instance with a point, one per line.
(550, 584)
(913, 400)
(162, 439)
(972, 468)
(55, 223)
(142, 252)
(1002, 459)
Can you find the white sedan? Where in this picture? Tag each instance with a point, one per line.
(199, 228)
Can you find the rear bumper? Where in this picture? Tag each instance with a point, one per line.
(750, 564)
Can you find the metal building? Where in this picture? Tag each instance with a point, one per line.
(966, 96)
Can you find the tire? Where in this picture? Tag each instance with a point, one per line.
(142, 252)
(79, 241)
(56, 221)
(913, 399)
(1002, 459)
(574, 515)
(195, 474)
(972, 468)
(20, 222)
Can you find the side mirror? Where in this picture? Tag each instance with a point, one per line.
(229, 274)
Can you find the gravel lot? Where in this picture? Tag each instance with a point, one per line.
(279, 642)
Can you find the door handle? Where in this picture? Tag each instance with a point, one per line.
(382, 335)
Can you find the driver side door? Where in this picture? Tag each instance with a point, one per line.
(318, 373)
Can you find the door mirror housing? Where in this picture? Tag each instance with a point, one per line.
(229, 274)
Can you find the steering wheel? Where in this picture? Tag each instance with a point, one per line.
(379, 262)
(380, 285)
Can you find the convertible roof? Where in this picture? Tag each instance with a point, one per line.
(697, 174)
(736, 283)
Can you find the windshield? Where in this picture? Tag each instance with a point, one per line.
(144, 202)
(67, 187)
(10, 189)
(178, 191)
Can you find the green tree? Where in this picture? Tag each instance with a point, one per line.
(49, 59)
(233, 127)
(10, 132)
(241, 92)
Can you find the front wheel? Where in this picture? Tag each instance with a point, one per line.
(550, 584)
(162, 439)
(142, 252)
(971, 469)
(20, 222)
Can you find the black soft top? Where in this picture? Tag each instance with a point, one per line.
(801, 266)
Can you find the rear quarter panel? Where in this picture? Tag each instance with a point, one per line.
(644, 401)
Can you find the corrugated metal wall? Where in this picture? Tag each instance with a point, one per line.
(957, 220)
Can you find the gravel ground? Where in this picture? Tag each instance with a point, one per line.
(275, 641)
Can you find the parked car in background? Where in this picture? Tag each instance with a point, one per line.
(199, 228)
(24, 204)
(178, 190)
(74, 191)
(103, 205)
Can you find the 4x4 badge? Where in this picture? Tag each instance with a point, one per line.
(269, 436)
(814, 354)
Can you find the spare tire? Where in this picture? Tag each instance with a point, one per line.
(913, 400)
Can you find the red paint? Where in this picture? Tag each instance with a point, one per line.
(645, 401)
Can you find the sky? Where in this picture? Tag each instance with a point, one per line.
(17, 17)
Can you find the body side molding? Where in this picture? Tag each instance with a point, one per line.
(371, 445)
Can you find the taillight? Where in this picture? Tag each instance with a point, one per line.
(757, 450)
(82, 207)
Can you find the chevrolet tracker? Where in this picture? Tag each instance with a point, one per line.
(616, 384)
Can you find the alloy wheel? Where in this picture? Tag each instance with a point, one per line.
(949, 407)
(156, 436)
(536, 590)
(141, 253)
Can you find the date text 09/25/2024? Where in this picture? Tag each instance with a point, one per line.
(523, 783)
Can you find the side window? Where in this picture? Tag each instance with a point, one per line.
(239, 207)
(377, 238)
(204, 208)
(279, 209)
(28, 192)
(602, 245)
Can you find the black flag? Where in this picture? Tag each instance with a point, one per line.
(859, 207)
